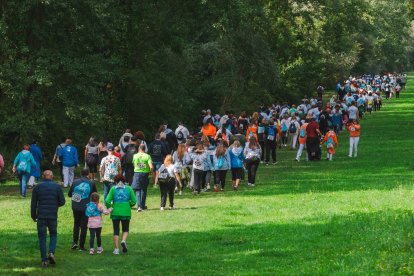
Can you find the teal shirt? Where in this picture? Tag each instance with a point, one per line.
(25, 159)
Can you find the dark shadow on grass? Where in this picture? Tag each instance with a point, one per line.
(357, 243)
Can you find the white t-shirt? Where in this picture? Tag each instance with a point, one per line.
(353, 112)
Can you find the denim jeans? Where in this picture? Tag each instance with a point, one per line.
(23, 178)
(107, 187)
(50, 224)
(140, 186)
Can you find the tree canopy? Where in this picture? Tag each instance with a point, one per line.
(95, 67)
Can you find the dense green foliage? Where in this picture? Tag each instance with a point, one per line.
(350, 216)
(95, 67)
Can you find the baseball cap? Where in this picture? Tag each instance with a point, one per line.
(110, 148)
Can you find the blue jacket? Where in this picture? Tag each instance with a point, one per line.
(37, 155)
(69, 156)
(80, 192)
(24, 162)
(47, 197)
(225, 162)
(236, 158)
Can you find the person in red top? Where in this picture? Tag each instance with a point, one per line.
(312, 140)
(354, 132)
(117, 152)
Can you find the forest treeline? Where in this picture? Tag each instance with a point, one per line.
(94, 67)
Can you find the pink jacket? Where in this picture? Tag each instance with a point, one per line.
(1, 162)
(96, 222)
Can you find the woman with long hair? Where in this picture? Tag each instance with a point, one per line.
(179, 158)
(252, 152)
(167, 182)
(92, 157)
(236, 161)
(221, 162)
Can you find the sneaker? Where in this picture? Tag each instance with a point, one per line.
(99, 250)
(51, 258)
(139, 209)
(124, 247)
(145, 207)
(267, 163)
(74, 246)
(162, 208)
(208, 187)
(29, 187)
(251, 184)
(82, 249)
(172, 208)
(45, 264)
(180, 193)
(297, 160)
(350, 156)
(221, 189)
(116, 251)
(22, 196)
(91, 251)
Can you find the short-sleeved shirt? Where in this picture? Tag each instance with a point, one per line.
(352, 112)
(111, 165)
(141, 162)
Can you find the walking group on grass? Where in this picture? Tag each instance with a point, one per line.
(197, 161)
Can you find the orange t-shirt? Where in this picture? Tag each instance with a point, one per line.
(354, 130)
(209, 130)
(251, 129)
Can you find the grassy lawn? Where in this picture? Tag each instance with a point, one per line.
(349, 216)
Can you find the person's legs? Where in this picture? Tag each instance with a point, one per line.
(77, 217)
(351, 145)
(198, 177)
(92, 233)
(65, 171)
(71, 175)
(52, 225)
(356, 141)
(163, 191)
(262, 145)
(294, 140)
(144, 186)
(115, 225)
(223, 174)
(31, 181)
(249, 170)
(255, 166)
(308, 149)
(299, 154)
(125, 231)
(41, 233)
(83, 229)
(171, 188)
(267, 149)
(98, 237)
(25, 178)
(61, 170)
(273, 149)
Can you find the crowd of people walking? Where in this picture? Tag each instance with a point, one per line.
(197, 161)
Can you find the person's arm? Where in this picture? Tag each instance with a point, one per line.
(33, 205)
(103, 210)
(132, 197)
(109, 198)
(61, 197)
(85, 152)
(151, 166)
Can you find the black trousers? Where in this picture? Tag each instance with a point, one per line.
(80, 224)
(95, 232)
(220, 177)
(252, 166)
(270, 148)
(198, 179)
(60, 164)
(312, 146)
(129, 173)
(167, 189)
(262, 145)
(125, 225)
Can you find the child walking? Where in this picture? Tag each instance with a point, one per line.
(94, 210)
(331, 140)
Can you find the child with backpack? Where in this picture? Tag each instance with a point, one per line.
(331, 141)
(94, 211)
(167, 182)
(285, 123)
(294, 130)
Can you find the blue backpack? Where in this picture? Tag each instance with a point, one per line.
(302, 133)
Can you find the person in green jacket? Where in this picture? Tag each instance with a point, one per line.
(121, 198)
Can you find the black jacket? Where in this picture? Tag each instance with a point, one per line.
(80, 192)
(47, 197)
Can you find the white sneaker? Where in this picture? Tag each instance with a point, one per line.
(208, 187)
(139, 209)
(116, 251)
(172, 208)
(180, 193)
(252, 185)
(162, 208)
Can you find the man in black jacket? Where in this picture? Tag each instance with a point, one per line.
(47, 197)
(80, 192)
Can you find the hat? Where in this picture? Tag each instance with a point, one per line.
(110, 148)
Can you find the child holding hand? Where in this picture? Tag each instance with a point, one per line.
(331, 140)
(94, 212)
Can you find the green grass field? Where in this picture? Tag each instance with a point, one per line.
(349, 216)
